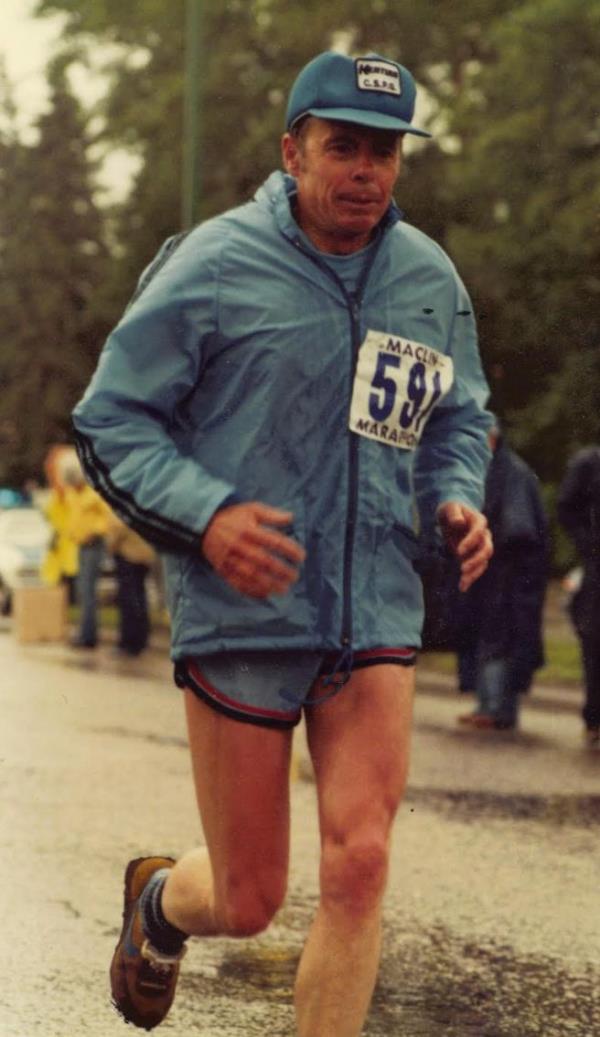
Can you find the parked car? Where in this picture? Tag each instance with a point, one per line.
(24, 539)
(10, 498)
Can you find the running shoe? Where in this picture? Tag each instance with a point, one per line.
(142, 980)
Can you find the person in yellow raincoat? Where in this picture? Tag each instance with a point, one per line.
(86, 525)
(61, 562)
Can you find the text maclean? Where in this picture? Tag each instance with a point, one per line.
(422, 353)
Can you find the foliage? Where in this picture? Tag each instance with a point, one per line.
(528, 178)
(250, 51)
(51, 257)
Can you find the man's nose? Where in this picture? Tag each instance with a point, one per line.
(364, 165)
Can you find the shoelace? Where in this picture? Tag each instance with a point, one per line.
(162, 963)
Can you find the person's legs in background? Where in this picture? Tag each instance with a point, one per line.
(585, 614)
(500, 684)
(90, 559)
(134, 624)
(491, 682)
(590, 650)
(467, 668)
(507, 716)
(493, 699)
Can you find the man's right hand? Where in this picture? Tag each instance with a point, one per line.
(241, 545)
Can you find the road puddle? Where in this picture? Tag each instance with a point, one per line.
(434, 984)
(431, 984)
(471, 805)
(268, 970)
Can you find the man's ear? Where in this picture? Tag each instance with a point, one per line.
(291, 154)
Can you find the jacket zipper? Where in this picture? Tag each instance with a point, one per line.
(353, 468)
(353, 303)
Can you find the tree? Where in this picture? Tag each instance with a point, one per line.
(52, 258)
(528, 177)
(251, 48)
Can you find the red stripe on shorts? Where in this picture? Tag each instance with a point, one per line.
(388, 653)
(241, 707)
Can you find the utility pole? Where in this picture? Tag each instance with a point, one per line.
(192, 118)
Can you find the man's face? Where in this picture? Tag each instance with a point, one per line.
(345, 175)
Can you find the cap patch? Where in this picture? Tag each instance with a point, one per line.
(376, 75)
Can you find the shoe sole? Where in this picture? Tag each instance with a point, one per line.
(478, 722)
(117, 970)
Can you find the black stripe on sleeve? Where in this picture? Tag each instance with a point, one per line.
(164, 532)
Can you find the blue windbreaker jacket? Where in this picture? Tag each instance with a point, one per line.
(230, 377)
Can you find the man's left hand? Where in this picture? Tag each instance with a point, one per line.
(466, 533)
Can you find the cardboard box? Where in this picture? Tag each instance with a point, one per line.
(40, 613)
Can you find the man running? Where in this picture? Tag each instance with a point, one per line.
(294, 381)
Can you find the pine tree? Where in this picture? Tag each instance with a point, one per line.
(53, 260)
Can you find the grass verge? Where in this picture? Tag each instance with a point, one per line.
(563, 662)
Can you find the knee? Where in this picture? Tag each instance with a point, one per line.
(250, 903)
(354, 873)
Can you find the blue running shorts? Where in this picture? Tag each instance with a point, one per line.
(271, 688)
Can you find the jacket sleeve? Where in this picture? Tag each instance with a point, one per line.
(453, 456)
(125, 422)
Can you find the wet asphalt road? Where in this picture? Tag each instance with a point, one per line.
(492, 918)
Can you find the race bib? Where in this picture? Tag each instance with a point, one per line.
(396, 387)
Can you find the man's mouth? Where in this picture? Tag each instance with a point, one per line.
(358, 199)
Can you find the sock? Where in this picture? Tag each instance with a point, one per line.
(166, 938)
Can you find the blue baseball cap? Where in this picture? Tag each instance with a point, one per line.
(370, 91)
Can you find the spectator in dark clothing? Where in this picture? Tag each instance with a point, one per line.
(579, 513)
(499, 620)
(134, 559)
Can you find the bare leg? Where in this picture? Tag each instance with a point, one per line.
(359, 742)
(238, 882)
